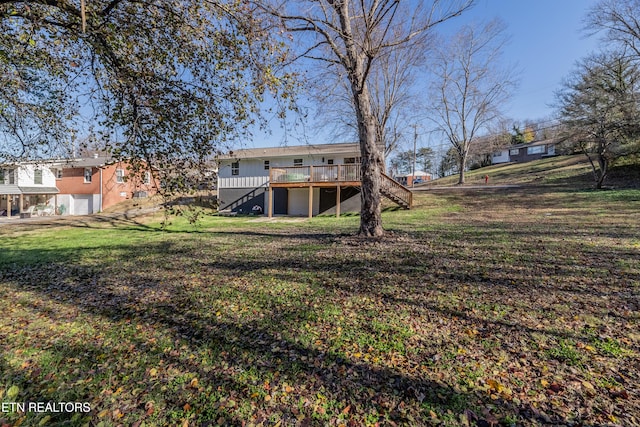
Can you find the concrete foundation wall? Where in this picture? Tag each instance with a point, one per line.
(242, 200)
(352, 205)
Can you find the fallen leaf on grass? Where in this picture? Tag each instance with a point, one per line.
(149, 406)
(620, 394)
(556, 387)
(13, 391)
(495, 385)
(589, 387)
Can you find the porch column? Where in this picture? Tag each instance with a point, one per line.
(338, 202)
(270, 198)
(55, 204)
(9, 205)
(21, 203)
(310, 201)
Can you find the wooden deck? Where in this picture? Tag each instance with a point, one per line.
(332, 176)
(315, 176)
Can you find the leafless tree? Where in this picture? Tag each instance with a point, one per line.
(482, 149)
(353, 36)
(469, 86)
(393, 96)
(620, 19)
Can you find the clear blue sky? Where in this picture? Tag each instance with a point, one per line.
(546, 40)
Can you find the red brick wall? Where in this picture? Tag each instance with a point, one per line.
(113, 192)
(72, 182)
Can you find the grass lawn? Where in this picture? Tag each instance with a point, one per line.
(561, 171)
(477, 308)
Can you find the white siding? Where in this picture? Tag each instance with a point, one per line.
(243, 182)
(248, 167)
(255, 167)
(26, 176)
(252, 174)
(500, 157)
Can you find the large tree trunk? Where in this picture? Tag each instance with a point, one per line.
(461, 176)
(371, 166)
(604, 169)
(462, 165)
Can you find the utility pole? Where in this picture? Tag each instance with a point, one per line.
(415, 142)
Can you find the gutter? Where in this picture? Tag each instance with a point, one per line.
(100, 190)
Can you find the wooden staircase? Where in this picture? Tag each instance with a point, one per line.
(396, 192)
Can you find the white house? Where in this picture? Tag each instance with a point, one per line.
(27, 186)
(301, 180)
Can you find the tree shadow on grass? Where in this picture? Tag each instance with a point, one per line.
(319, 384)
(164, 299)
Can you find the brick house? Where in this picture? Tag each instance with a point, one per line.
(78, 186)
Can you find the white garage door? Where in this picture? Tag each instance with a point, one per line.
(82, 205)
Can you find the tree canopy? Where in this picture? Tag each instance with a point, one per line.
(620, 22)
(156, 79)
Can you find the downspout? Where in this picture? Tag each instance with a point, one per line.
(100, 190)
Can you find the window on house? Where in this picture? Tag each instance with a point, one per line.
(266, 165)
(59, 173)
(1, 176)
(235, 168)
(12, 176)
(538, 149)
(88, 174)
(297, 162)
(119, 176)
(351, 160)
(329, 161)
(514, 151)
(37, 177)
(146, 179)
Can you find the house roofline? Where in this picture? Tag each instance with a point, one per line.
(534, 143)
(289, 151)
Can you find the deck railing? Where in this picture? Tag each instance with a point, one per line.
(325, 173)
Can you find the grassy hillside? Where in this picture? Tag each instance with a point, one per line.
(573, 171)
